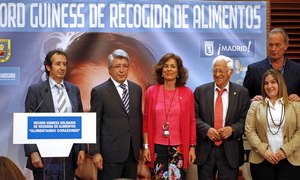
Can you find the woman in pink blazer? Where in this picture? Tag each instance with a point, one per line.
(169, 127)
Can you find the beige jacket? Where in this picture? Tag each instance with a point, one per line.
(256, 132)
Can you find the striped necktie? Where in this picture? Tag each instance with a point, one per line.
(61, 100)
(125, 97)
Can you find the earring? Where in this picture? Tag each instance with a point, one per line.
(177, 76)
(162, 75)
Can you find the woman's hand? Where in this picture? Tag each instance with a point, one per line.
(147, 156)
(192, 155)
(280, 155)
(271, 157)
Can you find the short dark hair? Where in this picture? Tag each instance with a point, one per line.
(49, 55)
(182, 71)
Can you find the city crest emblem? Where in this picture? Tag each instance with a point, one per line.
(5, 50)
(209, 48)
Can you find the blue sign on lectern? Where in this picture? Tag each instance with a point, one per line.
(56, 130)
(58, 127)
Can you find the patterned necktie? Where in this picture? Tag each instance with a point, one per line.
(61, 100)
(125, 97)
(219, 113)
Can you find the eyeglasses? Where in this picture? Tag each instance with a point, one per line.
(221, 71)
(118, 67)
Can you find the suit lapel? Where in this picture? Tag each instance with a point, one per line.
(289, 74)
(132, 94)
(262, 69)
(210, 103)
(47, 96)
(263, 117)
(231, 102)
(287, 117)
(115, 95)
(73, 97)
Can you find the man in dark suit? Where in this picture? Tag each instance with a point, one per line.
(219, 145)
(42, 97)
(277, 44)
(119, 124)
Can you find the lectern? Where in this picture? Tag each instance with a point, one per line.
(54, 134)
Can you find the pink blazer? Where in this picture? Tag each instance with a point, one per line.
(187, 119)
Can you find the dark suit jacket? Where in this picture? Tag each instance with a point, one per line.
(115, 127)
(237, 110)
(39, 99)
(255, 72)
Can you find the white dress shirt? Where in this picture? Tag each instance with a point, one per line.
(277, 112)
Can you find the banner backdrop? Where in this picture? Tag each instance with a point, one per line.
(89, 31)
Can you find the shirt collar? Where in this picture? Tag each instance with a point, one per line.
(280, 100)
(226, 87)
(52, 83)
(118, 84)
(281, 70)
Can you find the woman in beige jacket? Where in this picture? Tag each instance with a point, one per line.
(273, 132)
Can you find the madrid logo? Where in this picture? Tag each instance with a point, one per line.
(209, 48)
(5, 50)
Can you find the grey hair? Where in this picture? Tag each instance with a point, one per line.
(228, 60)
(280, 31)
(118, 53)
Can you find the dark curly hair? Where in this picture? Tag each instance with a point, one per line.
(182, 71)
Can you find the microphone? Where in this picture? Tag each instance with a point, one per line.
(39, 106)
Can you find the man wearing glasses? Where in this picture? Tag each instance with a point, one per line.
(221, 107)
(118, 104)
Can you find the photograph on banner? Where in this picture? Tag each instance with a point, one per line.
(88, 32)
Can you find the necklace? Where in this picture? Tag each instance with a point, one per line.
(274, 123)
(165, 127)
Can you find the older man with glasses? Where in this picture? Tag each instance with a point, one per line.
(221, 107)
